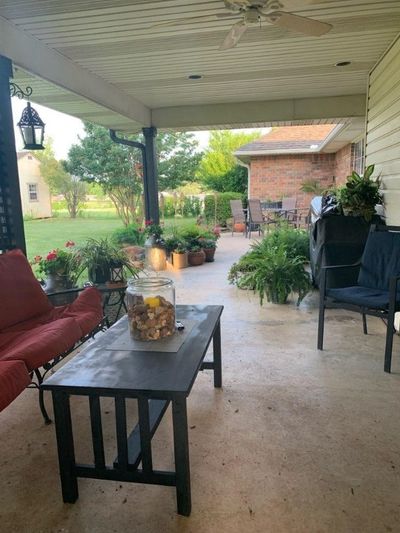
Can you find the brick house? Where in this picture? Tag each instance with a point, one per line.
(280, 161)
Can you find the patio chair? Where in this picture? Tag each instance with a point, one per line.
(289, 211)
(377, 292)
(255, 217)
(238, 214)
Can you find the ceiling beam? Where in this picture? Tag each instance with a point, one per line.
(33, 56)
(259, 113)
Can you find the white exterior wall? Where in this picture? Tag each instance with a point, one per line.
(29, 173)
(383, 128)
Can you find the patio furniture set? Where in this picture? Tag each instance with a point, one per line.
(260, 215)
(35, 336)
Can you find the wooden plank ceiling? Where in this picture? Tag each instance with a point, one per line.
(116, 42)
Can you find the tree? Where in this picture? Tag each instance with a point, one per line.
(178, 159)
(218, 169)
(118, 168)
(60, 181)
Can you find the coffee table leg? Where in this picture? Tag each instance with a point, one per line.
(65, 445)
(181, 449)
(217, 356)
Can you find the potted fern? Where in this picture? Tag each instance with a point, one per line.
(274, 267)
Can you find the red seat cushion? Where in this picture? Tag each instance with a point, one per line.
(22, 297)
(87, 310)
(14, 378)
(41, 344)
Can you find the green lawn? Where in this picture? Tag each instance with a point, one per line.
(44, 235)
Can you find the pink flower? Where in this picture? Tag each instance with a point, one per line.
(51, 256)
(37, 259)
(69, 244)
(148, 222)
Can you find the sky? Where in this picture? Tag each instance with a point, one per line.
(66, 130)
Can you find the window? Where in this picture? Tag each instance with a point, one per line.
(359, 156)
(33, 192)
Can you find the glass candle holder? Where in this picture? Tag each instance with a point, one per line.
(151, 308)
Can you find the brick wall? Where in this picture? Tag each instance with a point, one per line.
(344, 163)
(276, 176)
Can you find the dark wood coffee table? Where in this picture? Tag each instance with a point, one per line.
(155, 379)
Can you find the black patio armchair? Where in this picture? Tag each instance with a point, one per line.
(377, 292)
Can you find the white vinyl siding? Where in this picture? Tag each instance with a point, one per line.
(383, 128)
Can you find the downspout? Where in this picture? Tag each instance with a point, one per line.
(245, 165)
(142, 148)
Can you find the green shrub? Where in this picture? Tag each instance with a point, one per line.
(132, 234)
(217, 208)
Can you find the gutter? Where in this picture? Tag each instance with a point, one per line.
(245, 165)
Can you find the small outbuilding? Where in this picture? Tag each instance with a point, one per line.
(35, 193)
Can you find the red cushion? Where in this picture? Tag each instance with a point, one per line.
(87, 310)
(22, 297)
(41, 344)
(14, 378)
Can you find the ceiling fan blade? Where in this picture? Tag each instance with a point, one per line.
(304, 25)
(234, 35)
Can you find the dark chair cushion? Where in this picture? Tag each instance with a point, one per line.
(362, 296)
(14, 378)
(381, 260)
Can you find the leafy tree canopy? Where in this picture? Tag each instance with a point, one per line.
(178, 159)
(60, 181)
(219, 169)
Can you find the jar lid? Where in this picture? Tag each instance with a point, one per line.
(150, 283)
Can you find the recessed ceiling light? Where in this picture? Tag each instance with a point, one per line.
(195, 76)
(342, 63)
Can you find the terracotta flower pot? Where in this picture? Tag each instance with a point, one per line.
(210, 252)
(197, 258)
(180, 260)
(239, 227)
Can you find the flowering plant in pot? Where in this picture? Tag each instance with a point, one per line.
(60, 267)
(154, 232)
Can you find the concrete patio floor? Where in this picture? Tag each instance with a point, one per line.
(297, 441)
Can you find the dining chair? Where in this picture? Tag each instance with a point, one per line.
(238, 214)
(289, 211)
(255, 217)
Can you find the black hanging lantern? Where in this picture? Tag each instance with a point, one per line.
(32, 129)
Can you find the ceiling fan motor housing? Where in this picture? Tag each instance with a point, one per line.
(245, 5)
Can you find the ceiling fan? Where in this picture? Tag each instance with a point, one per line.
(256, 11)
